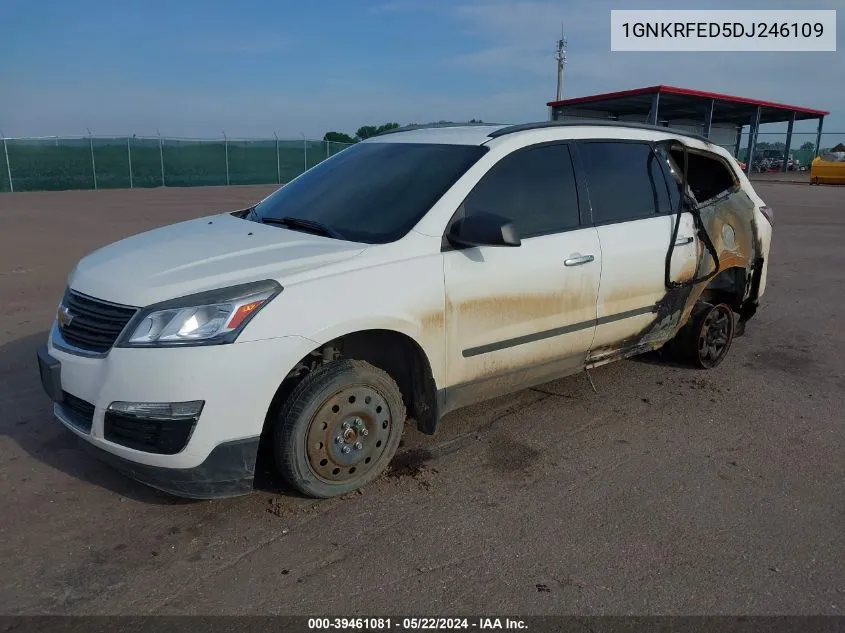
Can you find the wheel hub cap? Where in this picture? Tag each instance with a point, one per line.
(348, 434)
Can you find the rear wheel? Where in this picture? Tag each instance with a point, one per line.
(339, 428)
(706, 339)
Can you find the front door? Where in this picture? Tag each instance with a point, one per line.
(517, 316)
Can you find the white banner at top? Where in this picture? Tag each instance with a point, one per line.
(737, 31)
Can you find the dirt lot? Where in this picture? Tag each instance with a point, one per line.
(669, 491)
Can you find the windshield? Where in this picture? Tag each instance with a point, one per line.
(370, 192)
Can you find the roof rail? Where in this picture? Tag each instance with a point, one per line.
(434, 126)
(522, 127)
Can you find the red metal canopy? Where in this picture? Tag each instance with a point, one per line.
(680, 103)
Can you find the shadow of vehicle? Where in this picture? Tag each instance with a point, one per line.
(662, 356)
(28, 421)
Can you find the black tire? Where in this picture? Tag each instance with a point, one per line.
(707, 337)
(338, 429)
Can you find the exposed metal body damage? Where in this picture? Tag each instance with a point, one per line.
(728, 266)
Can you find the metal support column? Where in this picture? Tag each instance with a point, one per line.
(93, 164)
(708, 118)
(652, 113)
(278, 164)
(226, 151)
(788, 141)
(738, 140)
(819, 137)
(161, 156)
(8, 165)
(752, 138)
(129, 157)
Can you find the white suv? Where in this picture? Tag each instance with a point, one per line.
(409, 275)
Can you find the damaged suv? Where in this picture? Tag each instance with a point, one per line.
(407, 276)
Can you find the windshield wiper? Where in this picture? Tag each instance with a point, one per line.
(300, 224)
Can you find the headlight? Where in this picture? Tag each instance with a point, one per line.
(208, 318)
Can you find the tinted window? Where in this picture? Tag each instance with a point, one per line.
(373, 192)
(625, 181)
(534, 188)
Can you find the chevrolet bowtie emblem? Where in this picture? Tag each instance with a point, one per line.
(64, 316)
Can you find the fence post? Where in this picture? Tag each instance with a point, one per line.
(161, 157)
(278, 164)
(129, 155)
(93, 164)
(226, 149)
(8, 166)
(305, 152)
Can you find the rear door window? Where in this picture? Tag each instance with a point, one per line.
(625, 181)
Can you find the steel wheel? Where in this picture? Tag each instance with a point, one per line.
(348, 434)
(339, 428)
(715, 335)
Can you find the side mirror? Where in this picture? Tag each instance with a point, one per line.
(483, 229)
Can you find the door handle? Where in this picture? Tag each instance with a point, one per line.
(683, 241)
(579, 260)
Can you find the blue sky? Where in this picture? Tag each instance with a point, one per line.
(254, 67)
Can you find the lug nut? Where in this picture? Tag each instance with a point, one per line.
(338, 439)
(346, 449)
(346, 425)
(365, 432)
(358, 446)
(359, 422)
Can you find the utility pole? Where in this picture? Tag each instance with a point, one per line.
(560, 56)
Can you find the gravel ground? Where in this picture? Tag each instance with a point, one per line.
(669, 491)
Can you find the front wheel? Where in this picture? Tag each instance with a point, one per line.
(339, 428)
(705, 340)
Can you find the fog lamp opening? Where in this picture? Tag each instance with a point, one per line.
(159, 410)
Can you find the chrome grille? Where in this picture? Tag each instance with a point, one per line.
(91, 324)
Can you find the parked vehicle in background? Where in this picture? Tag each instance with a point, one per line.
(408, 276)
(828, 169)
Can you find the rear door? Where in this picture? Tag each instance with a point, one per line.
(518, 315)
(631, 206)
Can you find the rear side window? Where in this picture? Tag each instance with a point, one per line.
(707, 176)
(625, 181)
(534, 188)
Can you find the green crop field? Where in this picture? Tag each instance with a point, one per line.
(118, 163)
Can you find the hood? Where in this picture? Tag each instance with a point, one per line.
(198, 255)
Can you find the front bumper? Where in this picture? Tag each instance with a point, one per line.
(228, 471)
(237, 382)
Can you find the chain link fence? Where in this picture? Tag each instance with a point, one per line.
(92, 162)
(802, 147)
